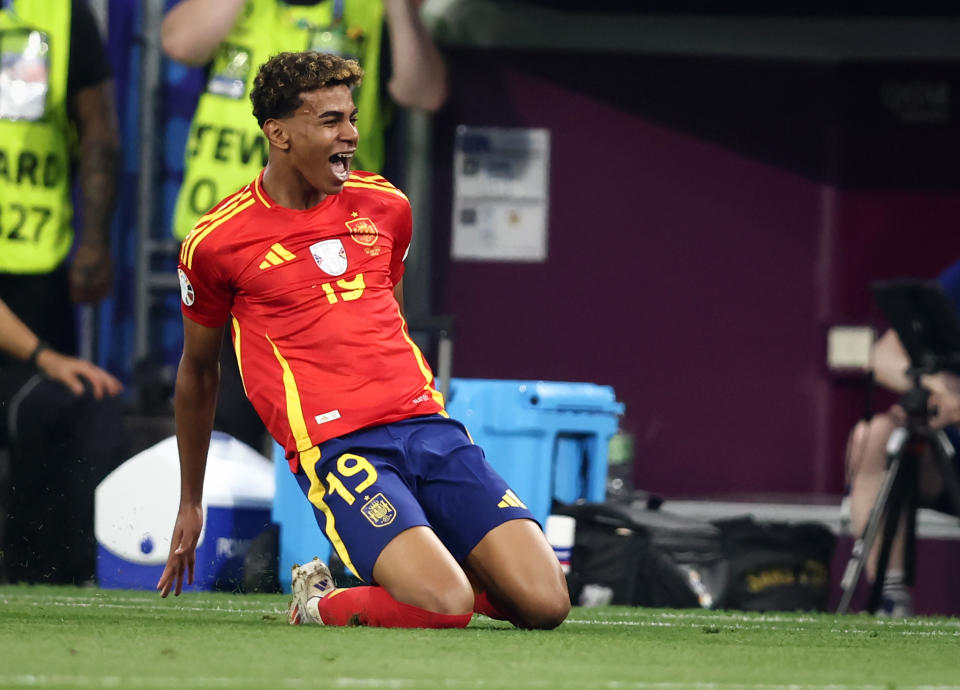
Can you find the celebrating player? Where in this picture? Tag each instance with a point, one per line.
(307, 262)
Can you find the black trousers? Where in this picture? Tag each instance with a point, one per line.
(55, 446)
(59, 447)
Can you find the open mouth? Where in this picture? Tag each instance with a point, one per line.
(340, 164)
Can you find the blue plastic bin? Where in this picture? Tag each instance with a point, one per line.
(300, 536)
(547, 439)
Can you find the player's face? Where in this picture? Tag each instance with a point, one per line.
(323, 137)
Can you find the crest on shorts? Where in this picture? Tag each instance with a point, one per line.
(379, 511)
(330, 256)
(363, 231)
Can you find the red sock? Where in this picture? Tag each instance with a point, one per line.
(374, 607)
(482, 604)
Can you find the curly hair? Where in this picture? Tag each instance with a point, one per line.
(282, 78)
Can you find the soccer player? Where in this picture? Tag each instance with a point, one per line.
(306, 262)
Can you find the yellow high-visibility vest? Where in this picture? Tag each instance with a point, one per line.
(225, 147)
(36, 213)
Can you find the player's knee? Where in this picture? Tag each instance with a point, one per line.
(452, 599)
(547, 612)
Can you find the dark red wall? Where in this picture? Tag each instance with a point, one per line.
(694, 275)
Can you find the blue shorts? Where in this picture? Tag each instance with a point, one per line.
(372, 484)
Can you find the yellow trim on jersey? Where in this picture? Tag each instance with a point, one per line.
(378, 187)
(309, 455)
(236, 349)
(424, 369)
(259, 192)
(224, 206)
(298, 424)
(269, 260)
(376, 179)
(218, 211)
(213, 226)
(277, 255)
(308, 461)
(283, 252)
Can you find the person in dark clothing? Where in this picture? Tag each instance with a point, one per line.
(59, 433)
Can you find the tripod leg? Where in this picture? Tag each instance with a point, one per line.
(863, 545)
(911, 504)
(891, 523)
(897, 499)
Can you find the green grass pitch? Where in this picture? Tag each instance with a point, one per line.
(63, 637)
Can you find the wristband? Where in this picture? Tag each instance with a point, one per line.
(41, 346)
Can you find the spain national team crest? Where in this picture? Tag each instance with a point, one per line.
(330, 256)
(379, 511)
(363, 231)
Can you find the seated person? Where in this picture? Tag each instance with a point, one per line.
(867, 456)
(62, 430)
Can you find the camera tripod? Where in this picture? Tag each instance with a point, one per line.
(899, 493)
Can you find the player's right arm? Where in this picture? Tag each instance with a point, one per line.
(194, 401)
(193, 29)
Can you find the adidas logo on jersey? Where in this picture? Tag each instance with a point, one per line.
(276, 256)
(510, 500)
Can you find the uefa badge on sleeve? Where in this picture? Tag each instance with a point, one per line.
(186, 289)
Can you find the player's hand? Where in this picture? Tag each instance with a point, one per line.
(69, 370)
(183, 550)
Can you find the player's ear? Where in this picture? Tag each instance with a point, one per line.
(276, 134)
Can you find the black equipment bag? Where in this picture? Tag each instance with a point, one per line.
(776, 566)
(629, 554)
(625, 554)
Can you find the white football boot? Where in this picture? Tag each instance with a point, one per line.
(309, 583)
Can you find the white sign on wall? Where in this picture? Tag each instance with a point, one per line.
(501, 189)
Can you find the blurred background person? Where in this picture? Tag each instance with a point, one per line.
(225, 148)
(867, 456)
(57, 126)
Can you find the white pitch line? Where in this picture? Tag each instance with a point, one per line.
(112, 681)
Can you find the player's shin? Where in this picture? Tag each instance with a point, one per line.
(374, 607)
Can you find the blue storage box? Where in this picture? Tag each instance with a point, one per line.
(135, 508)
(300, 536)
(546, 438)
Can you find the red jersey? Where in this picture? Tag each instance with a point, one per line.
(322, 346)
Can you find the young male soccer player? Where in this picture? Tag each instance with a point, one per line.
(307, 262)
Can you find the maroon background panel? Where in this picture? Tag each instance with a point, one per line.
(697, 279)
